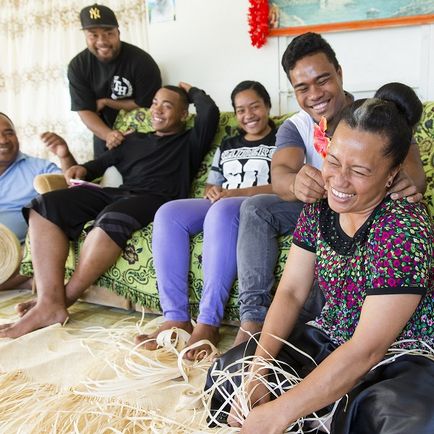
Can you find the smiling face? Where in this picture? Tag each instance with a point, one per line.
(167, 113)
(9, 145)
(355, 171)
(318, 87)
(252, 114)
(103, 43)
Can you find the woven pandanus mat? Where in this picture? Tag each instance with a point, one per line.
(10, 253)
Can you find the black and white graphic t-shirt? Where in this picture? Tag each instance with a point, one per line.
(240, 163)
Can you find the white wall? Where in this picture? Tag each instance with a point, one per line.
(371, 58)
(209, 46)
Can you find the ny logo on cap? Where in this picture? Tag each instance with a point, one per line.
(94, 13)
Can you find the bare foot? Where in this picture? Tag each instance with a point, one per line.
(149, 342)
(23, 308)
(245, 331)
(38, 317)
(200, 332)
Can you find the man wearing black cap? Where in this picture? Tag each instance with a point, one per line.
(109, 75)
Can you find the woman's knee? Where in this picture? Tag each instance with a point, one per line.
(166, 213)
(185, 214)
(223, 212)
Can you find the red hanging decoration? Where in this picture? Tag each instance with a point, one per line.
(258, 22)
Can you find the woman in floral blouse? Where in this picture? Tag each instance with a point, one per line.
(373, 260)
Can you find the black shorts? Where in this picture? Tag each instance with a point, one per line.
(117, 212)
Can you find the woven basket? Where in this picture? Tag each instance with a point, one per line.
(10, 253)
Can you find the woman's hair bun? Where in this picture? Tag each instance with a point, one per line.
(405, 99)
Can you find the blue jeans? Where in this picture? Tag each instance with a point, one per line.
(263, 219)
(174, 223)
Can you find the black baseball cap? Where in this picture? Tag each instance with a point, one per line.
(97, 16)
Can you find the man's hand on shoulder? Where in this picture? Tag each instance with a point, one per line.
(114, 138)
(404, 187)
(309, 184)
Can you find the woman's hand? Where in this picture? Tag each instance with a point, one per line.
(265, 419)
(255, 390)
(258, 395)
(215, 192)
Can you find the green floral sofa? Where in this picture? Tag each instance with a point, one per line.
(133, 275)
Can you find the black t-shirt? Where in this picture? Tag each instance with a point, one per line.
(132, 75)
(163, 165)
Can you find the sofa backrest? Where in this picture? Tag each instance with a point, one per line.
(140, 120)
(424, 136)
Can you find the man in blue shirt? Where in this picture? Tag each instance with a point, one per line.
(17, 171)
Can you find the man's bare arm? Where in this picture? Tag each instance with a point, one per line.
(58, 146)
(94, 123)
(116, 104)
(285, 165)
(112, 138)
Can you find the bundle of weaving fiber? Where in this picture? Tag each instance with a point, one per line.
(10, 253)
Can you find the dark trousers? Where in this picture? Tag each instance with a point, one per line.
(395, 398)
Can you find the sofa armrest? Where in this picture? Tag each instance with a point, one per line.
(48, 182)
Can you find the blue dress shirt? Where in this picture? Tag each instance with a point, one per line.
(16, 190)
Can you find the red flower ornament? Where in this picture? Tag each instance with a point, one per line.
(258, 22)
(320, 140)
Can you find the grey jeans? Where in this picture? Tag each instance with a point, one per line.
(263, 219)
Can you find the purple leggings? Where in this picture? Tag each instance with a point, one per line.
(174, 223)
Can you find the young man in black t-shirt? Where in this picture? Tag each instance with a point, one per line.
(109, 75)
(156, 167)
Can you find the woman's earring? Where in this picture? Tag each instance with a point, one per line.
(389, 184)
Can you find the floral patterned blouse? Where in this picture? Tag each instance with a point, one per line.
(390, 254)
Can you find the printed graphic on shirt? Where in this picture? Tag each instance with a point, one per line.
(121, 88)
(246, 167)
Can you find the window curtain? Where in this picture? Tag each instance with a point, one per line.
(38, 38)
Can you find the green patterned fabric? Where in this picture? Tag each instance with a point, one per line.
(424, 136)
(133, 275)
